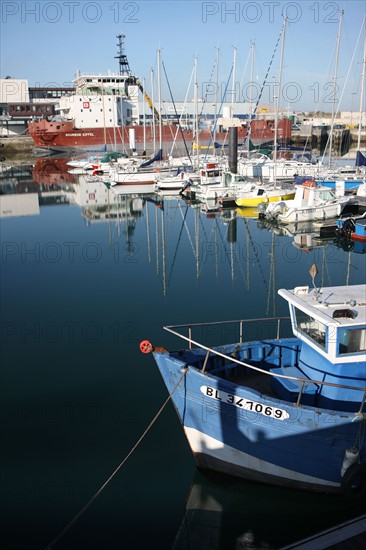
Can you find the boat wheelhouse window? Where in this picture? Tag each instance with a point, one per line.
(351, 340)
(310, 327)
(326, 195)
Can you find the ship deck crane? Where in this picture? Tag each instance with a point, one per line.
(147, 99)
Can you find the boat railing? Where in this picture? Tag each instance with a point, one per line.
(241, 322)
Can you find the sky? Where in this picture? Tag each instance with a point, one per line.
(47, 42)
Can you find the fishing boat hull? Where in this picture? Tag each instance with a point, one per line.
(325, 212)
(237, 430)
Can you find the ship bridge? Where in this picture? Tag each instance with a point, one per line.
(109, 84)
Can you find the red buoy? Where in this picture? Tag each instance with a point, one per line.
(146, 346)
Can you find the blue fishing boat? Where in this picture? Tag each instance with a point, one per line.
(285, 406)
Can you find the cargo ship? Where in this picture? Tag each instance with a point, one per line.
(65, 135)
(103, 114)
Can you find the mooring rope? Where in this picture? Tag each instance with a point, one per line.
(96, 495)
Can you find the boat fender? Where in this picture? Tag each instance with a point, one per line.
(351, 456)
(146, 346)
(353, 482)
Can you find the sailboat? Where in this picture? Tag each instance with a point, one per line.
(348, 177)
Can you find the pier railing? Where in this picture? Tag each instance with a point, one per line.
(241, 323)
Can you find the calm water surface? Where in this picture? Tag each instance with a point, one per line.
(88, 274)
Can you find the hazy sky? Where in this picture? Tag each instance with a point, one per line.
(46, 42)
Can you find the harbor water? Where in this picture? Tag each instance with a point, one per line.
(87, 273)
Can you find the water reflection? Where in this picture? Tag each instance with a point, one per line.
(305, 235)
(26, 187)
(108, 269)
(231, 240)
(222, 513)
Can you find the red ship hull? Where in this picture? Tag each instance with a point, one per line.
(63, 136)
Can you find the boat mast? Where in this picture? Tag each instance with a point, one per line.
(144, 119)
(153, 113)
(196, 107)
(233, 90)
(361, 97)
(251, 94)
(217, 86)
(159, 102)
(124, 69)
(278, 99)
(335, 83)
(124, 66)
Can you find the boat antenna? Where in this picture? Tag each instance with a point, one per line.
(313, 272)
(124, 66)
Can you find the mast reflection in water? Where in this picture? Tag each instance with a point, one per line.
(87, 273)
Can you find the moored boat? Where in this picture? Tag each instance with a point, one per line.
(284, 410)
(257, 194)
(311, 202)
(352, 227)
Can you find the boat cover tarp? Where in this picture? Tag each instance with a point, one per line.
(114, 155)
(158, 156)
(360, 159)
(299, 180)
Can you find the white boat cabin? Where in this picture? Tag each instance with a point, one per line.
(331, 324)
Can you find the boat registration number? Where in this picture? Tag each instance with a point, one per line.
(246, 404)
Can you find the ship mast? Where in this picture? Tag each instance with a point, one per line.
(124, 66)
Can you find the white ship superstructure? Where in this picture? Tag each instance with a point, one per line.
(101, 101)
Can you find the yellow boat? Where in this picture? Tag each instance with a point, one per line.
(255, 197)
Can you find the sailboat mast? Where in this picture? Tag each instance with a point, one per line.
(361, 97)
(335, 83)
(233, 90)
(144, 118)
(251, 94)
(196, 106)
(278, 98)
(153, 112)
(159, 100)
(217, 86)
